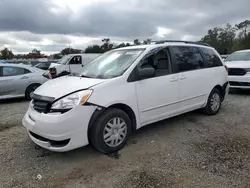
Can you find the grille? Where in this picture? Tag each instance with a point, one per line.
(239, 83)
(42, 104)
(236, 72)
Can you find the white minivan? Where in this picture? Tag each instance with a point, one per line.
(123, 90)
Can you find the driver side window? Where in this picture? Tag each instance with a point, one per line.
(160, 61)
(76, 60)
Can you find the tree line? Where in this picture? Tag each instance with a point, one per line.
(229, 38)
(225, 40)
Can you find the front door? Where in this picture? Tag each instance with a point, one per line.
(75, 64)
(157, 96)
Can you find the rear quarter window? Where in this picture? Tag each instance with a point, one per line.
(13, 71)
(210, 57)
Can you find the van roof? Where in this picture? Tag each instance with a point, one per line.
(152, 46)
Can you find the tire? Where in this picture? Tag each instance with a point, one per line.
(212, 108)
(103, 124)
(30, 89)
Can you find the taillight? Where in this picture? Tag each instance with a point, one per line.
(226, 68)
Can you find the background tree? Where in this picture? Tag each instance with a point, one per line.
(57, 56)
(93, 49)
(69, 50)
(6, 54)
(229, 39)
(226, 39)
(243, 27)
(35, 51)
(147, 41)
(137, 42)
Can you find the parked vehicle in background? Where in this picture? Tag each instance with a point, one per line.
(19, 80)
(223, 57)
(27, 63)
(124, 90)
(2, 62)
(70, 64)
(238, 64)
(43, 65)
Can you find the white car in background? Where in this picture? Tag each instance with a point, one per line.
(238, 64)
(19, 80)
(70, 64)
(123, 90)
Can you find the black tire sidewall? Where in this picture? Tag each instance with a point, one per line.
(209, 108)
(30, 89)
(96, 134)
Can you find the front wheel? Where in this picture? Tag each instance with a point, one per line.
(213, 103)
(111, 131)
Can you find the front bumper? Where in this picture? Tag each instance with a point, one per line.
(240, 81)
(59, 132)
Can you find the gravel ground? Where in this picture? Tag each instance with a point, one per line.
(191, 151)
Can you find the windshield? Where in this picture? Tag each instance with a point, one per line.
(63, 60)
(111, 64)
(239, 56)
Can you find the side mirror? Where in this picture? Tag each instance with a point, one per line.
(146, 72)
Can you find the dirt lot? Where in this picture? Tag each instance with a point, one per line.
(190, 150)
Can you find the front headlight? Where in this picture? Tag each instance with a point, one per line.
(72, 100)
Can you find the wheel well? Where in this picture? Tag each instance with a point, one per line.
(222, 91)
(123, 107)
(32, 85)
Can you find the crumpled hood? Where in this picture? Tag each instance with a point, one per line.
(64, 85)
(237, 64)
(54, 65)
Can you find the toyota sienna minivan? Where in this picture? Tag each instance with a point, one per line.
(123, 90)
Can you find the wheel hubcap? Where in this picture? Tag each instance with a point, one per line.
(215, 102)
(115, 132)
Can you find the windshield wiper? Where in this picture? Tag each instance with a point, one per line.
(83, 76)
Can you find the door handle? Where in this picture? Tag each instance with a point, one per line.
(174, 79)
(183, 77)
(24, 77)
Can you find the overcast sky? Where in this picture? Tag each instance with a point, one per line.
(51, 25)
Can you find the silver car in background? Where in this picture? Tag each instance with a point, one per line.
(19, 80)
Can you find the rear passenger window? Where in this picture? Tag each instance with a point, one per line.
(210, 57)
(187, 58)
(13, 71)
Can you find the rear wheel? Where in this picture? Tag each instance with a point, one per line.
(213, 103)
(111, 131)
(30, 90)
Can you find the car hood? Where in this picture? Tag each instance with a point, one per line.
(62, 86)
(237, 64)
